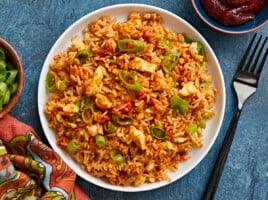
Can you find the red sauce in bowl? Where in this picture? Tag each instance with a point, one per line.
(233, 12)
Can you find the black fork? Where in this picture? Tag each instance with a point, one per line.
(245, 83)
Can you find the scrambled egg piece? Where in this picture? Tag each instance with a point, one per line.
(103, 102)
(93, 86)
(94, 129)
(137, 136)
(98, 75)
(143, 65)
(188, 89)
(169, 145)
(77, 42)
(70, 108)
(193, 48)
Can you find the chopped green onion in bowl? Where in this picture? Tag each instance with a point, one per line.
(11, 77)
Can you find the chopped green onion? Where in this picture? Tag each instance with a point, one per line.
(83, 55)
(9, 66)
(192, 128)
(130, 80)
(201, 49)
(170, 60)
(13, 87)
(3, 89)
(122, 119)
(187, 39)
(117, 156)
(166, 41)
(61, 85)
(11, 76)
(3, 73)
(177, 103)
(203, 123)
(7, 96)
(100, 140)
(84, 103)
(158, 132)
(113, 61)
(51, 82)
(72, 147)
(204, 84)
(2, 54)
(88, 114)
(130, 45)
(3, 64)
(109, 127)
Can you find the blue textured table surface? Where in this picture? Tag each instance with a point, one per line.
(32, 27)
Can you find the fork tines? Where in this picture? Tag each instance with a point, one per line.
(254, 58)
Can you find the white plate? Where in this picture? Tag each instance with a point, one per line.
(172, 22)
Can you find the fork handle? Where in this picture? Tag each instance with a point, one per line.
(218, 167)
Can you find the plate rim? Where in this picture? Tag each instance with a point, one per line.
(153, 9)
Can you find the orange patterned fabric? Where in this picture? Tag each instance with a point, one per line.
(31, 170)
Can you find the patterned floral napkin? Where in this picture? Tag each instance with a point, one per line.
(31, 170)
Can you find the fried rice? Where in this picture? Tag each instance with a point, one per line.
(130, 99)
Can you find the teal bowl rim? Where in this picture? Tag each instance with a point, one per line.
(259, 21)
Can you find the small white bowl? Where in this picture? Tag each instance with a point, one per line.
(172, 22)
